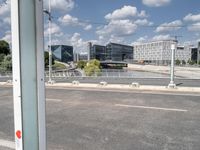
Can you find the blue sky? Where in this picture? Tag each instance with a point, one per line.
(77, 22)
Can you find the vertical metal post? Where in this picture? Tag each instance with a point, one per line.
(28, 74)
(172, 84)
(50, 50)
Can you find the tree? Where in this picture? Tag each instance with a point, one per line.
(81, 64)
(183, 62)
(2, 57)
(46, 59)
(6, 64)
(92, 68)
(191, 62)
(178, 62)
(4, 47)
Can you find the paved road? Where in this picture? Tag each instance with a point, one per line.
(142, 81)
(101, 120)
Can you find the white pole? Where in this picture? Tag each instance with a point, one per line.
(50, 50)
(28, 74)
(172, 84)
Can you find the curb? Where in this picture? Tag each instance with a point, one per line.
(126, 87)
(118, 87)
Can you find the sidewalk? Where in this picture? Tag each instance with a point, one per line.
(127, 87)
(119, 87)
(185, 72)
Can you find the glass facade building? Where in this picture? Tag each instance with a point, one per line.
(119, 52)
(62, 53)
(111, 52)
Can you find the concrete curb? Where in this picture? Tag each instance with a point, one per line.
(127, 87)
(119, 87)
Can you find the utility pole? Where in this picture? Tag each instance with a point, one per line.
(28, 74)
(48, 12)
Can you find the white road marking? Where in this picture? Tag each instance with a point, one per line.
(53, 100)
(154, 108)
(8, 144)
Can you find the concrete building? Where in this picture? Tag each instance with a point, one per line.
(111, 52)
(62, 53)
(159, 52)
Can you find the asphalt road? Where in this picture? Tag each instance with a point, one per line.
(142, 81)
(113, 120)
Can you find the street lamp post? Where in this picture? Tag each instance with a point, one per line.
(48, 12)
(172, 84)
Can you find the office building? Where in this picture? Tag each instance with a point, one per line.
(159, 52)
(110, 52)
(119, 52)
(62, 53)
(98, 52)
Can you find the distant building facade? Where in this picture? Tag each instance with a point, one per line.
(63, 53)
(119, 52)
(111, 52)
(159, 52)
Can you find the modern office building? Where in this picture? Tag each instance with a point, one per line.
(98, 52)
(63, 53)
(198, 53)
(119, 52)
(159, 52)
(110, 52)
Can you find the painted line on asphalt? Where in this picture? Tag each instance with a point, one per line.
(153, 108)
(53, 100)
(7, 144)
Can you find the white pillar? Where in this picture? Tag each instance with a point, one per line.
(28, 74)
(172, 84)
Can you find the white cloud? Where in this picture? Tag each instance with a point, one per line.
(55, 30)
(88, 27)
(64, 5)
(166, 27)
(143, 14)
(117, 28)
(156, 3)
(123, 13)
(68, 20)
(143, 22)
(7, 36)
(194, 27)
(73, 21)
(161, 37)
(5, 9)
(140, 40)
(191, 17)
(7, 20)
(78, 43)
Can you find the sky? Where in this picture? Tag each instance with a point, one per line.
(77, 22)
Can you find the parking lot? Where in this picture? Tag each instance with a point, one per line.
(86, 119)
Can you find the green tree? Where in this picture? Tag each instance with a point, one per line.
(2, 57)
(81, 64)
(178, 62)
(183, 62)
(6, 64)
(92, 68)
(4, 47)
(191, 62)
(46, 59)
